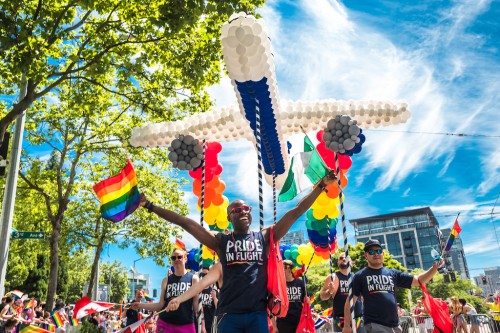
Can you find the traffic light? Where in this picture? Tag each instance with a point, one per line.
(446, 278)
(453, 277)
(155, 292)
(484, 279)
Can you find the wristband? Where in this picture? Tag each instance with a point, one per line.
(322, 187)
(149, 206)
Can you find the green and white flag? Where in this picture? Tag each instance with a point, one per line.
(307, 168)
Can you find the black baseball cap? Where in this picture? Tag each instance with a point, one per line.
(371, 243)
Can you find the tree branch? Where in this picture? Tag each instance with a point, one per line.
(41, 191)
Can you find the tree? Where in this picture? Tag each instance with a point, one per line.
(115, 275)
(36, 282)
(438, 288)
(86, 65)
(148, 58)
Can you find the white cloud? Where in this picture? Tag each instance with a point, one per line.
(484, 244)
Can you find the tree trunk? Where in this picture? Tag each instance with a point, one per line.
(54, 264)
(93, 271)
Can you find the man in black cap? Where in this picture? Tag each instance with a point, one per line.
(377, 285)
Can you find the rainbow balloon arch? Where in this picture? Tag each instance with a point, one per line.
(261, 118)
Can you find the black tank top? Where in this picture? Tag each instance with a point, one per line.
(208, 307)
(177, 285)
(341, 296)
(244, 270)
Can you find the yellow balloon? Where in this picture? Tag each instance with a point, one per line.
(333, 212)
(301, 259)
(319, 214)
(323, 199)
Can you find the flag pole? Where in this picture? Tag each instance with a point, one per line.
(444, 246)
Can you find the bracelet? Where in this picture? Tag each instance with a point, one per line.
(322, 187)
(149, 206)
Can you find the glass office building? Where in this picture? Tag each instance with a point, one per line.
(409, 235)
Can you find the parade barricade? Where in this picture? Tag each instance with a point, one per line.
(424, 324)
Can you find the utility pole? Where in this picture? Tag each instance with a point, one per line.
(9, 197)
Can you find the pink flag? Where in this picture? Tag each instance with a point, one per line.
(85, 306)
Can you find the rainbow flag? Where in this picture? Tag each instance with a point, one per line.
(119, 195)
(179, 244)
(148, 298)
(58, 320)
(30, 304)
(49, 327)
(454, 233)
(73, 321)
(31, 329)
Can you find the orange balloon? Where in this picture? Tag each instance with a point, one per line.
(197, 187)
(218, 199)
(207, 203)
(343, 180)
(214, 183)
(333, 190)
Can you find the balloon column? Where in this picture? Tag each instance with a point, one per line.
(322, 216)
(193, 258)
(215, 204)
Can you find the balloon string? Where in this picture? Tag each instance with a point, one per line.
(202, 210)
(346, 244)
(259, 162)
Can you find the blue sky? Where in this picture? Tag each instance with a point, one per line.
(439, 56)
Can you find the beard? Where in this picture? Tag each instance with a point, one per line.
(343, 266)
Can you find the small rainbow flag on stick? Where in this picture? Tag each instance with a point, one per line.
(73, 321)
(58, 320)
(454, 233)
(119, 195)
(148, 298)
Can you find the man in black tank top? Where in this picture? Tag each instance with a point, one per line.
(339, 290)
(183, 319)
(243, 256)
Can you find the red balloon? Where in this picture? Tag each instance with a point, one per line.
(195, 174)
(345, 162)
(217, 170)
(319, 135)
(214, 146)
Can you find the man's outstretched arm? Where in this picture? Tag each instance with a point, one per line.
(203, 235)
(286, 222)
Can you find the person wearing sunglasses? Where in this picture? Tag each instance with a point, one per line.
(183, 319)
(296, 291)
(377, 285)
(337, 287)
(243, 255)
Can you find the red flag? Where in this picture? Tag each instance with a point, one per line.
(438, 310)
(306, 323)
(85, 307)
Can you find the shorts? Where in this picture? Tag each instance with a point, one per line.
(429, 324)
(474, 319)
(377, 328)
(164, 327)
(250, 322)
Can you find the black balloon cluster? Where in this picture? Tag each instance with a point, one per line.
(186, 152)
(342, 135)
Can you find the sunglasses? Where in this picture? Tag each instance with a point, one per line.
(240, 209)
(288, 266)
(176, 258)
(377, 251)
